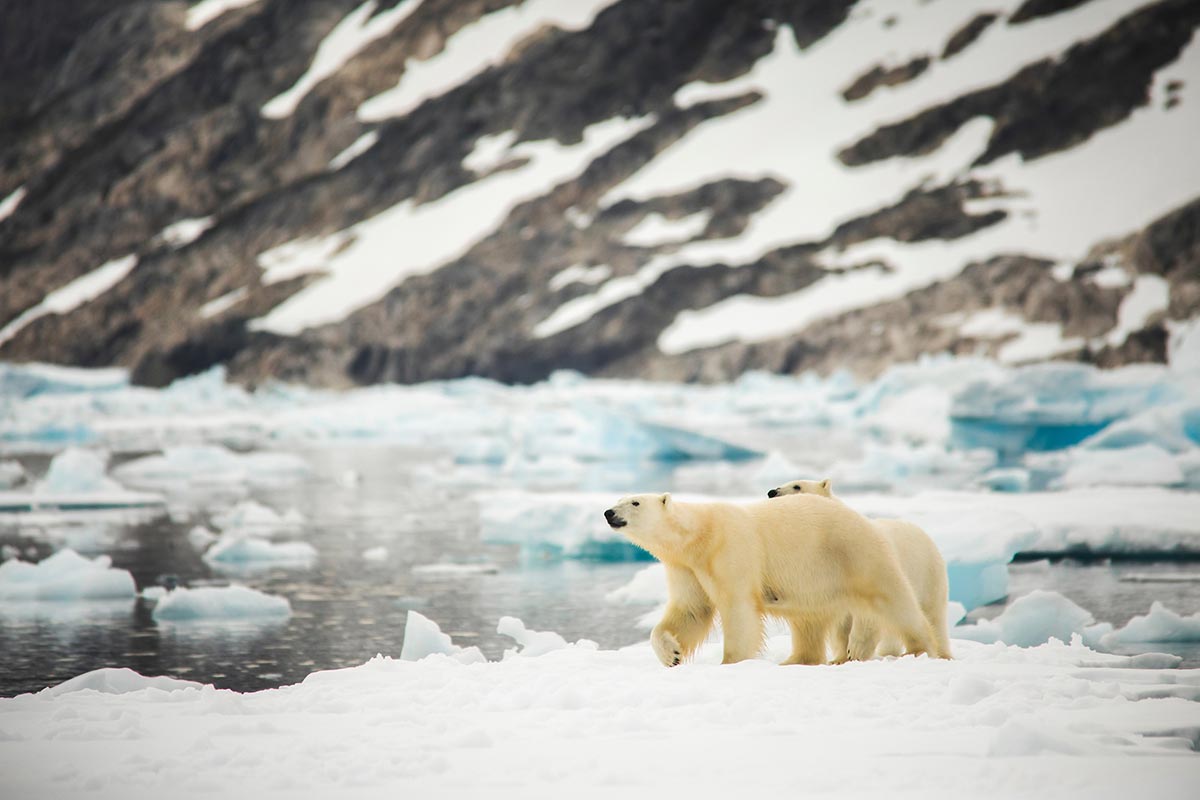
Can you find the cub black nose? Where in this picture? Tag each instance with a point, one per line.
(773, 493)
(608, 515)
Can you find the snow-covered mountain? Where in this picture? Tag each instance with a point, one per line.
(338, 191)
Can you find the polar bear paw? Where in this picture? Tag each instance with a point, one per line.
(667, 648)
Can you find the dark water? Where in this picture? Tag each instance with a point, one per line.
(346, 609)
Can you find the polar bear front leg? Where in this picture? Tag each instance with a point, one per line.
(743, 627)
(688, 618)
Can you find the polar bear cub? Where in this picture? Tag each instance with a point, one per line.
(921, 562)
(808, 559)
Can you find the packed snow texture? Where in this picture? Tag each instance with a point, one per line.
(223, 603)
(580, 721)
(65, 577)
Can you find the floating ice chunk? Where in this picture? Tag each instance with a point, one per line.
(1007, 479)
(117, 680)
(455, 569)
(1034, 619)
(201, 537)
(375, 554)
(179, 468)
(249, 516)
(65, 576)
(75, 470)
(238, 552)
(1160, 625)
(535, 643)
(11, 474)
(220, 603)
(153, 593)
(1174, 427)
(423, 637)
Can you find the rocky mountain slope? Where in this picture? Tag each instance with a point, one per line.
(338, 191)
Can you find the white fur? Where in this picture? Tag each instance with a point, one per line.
(922, 564)
(805, 558)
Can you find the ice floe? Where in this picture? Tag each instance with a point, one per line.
(65, 577)
(226, 603)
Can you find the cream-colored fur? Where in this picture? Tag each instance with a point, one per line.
(923, 566)
(807, 559)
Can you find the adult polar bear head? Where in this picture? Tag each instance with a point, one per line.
(823, 488)
(647, 521)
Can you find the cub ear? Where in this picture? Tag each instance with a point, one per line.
(666, 498)
(827, 485)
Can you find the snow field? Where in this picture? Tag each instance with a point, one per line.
(586, 722)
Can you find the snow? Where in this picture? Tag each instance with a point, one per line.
(475, 48)
(1027, 341)
(185, 231)
(1140, 465)
(359, 146)
(1149, 296)
(590, 722)
(1059, 205)
(1183, 345)
(535, 643)
(656, 230)
(200, 14)
(220, 603)
(67, 298)
(578, 273)
(423, 638)
(219, 305)
(65, 577)
(348, 38)
(363, 262)
(9, 204)
(490, 151)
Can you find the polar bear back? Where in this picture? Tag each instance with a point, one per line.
(811, 551)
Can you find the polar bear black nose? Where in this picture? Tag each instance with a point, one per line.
(608, 515)
(773, 493)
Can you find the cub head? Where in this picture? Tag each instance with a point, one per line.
(646, 520)
(823, 488)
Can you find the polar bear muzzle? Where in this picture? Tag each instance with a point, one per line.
(614, 521)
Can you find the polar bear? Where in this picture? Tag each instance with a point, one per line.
(922, 564)
(805, 558)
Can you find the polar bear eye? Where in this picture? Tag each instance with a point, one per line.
(636, 503)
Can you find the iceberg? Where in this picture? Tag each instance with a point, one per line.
(65, 577)
(1161, 624)
(223, 603)
(555, 525)
(535, 643)
(1034, 619)
(249, 516)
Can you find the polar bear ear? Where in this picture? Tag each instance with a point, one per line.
(827, 485)
(666, 498)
